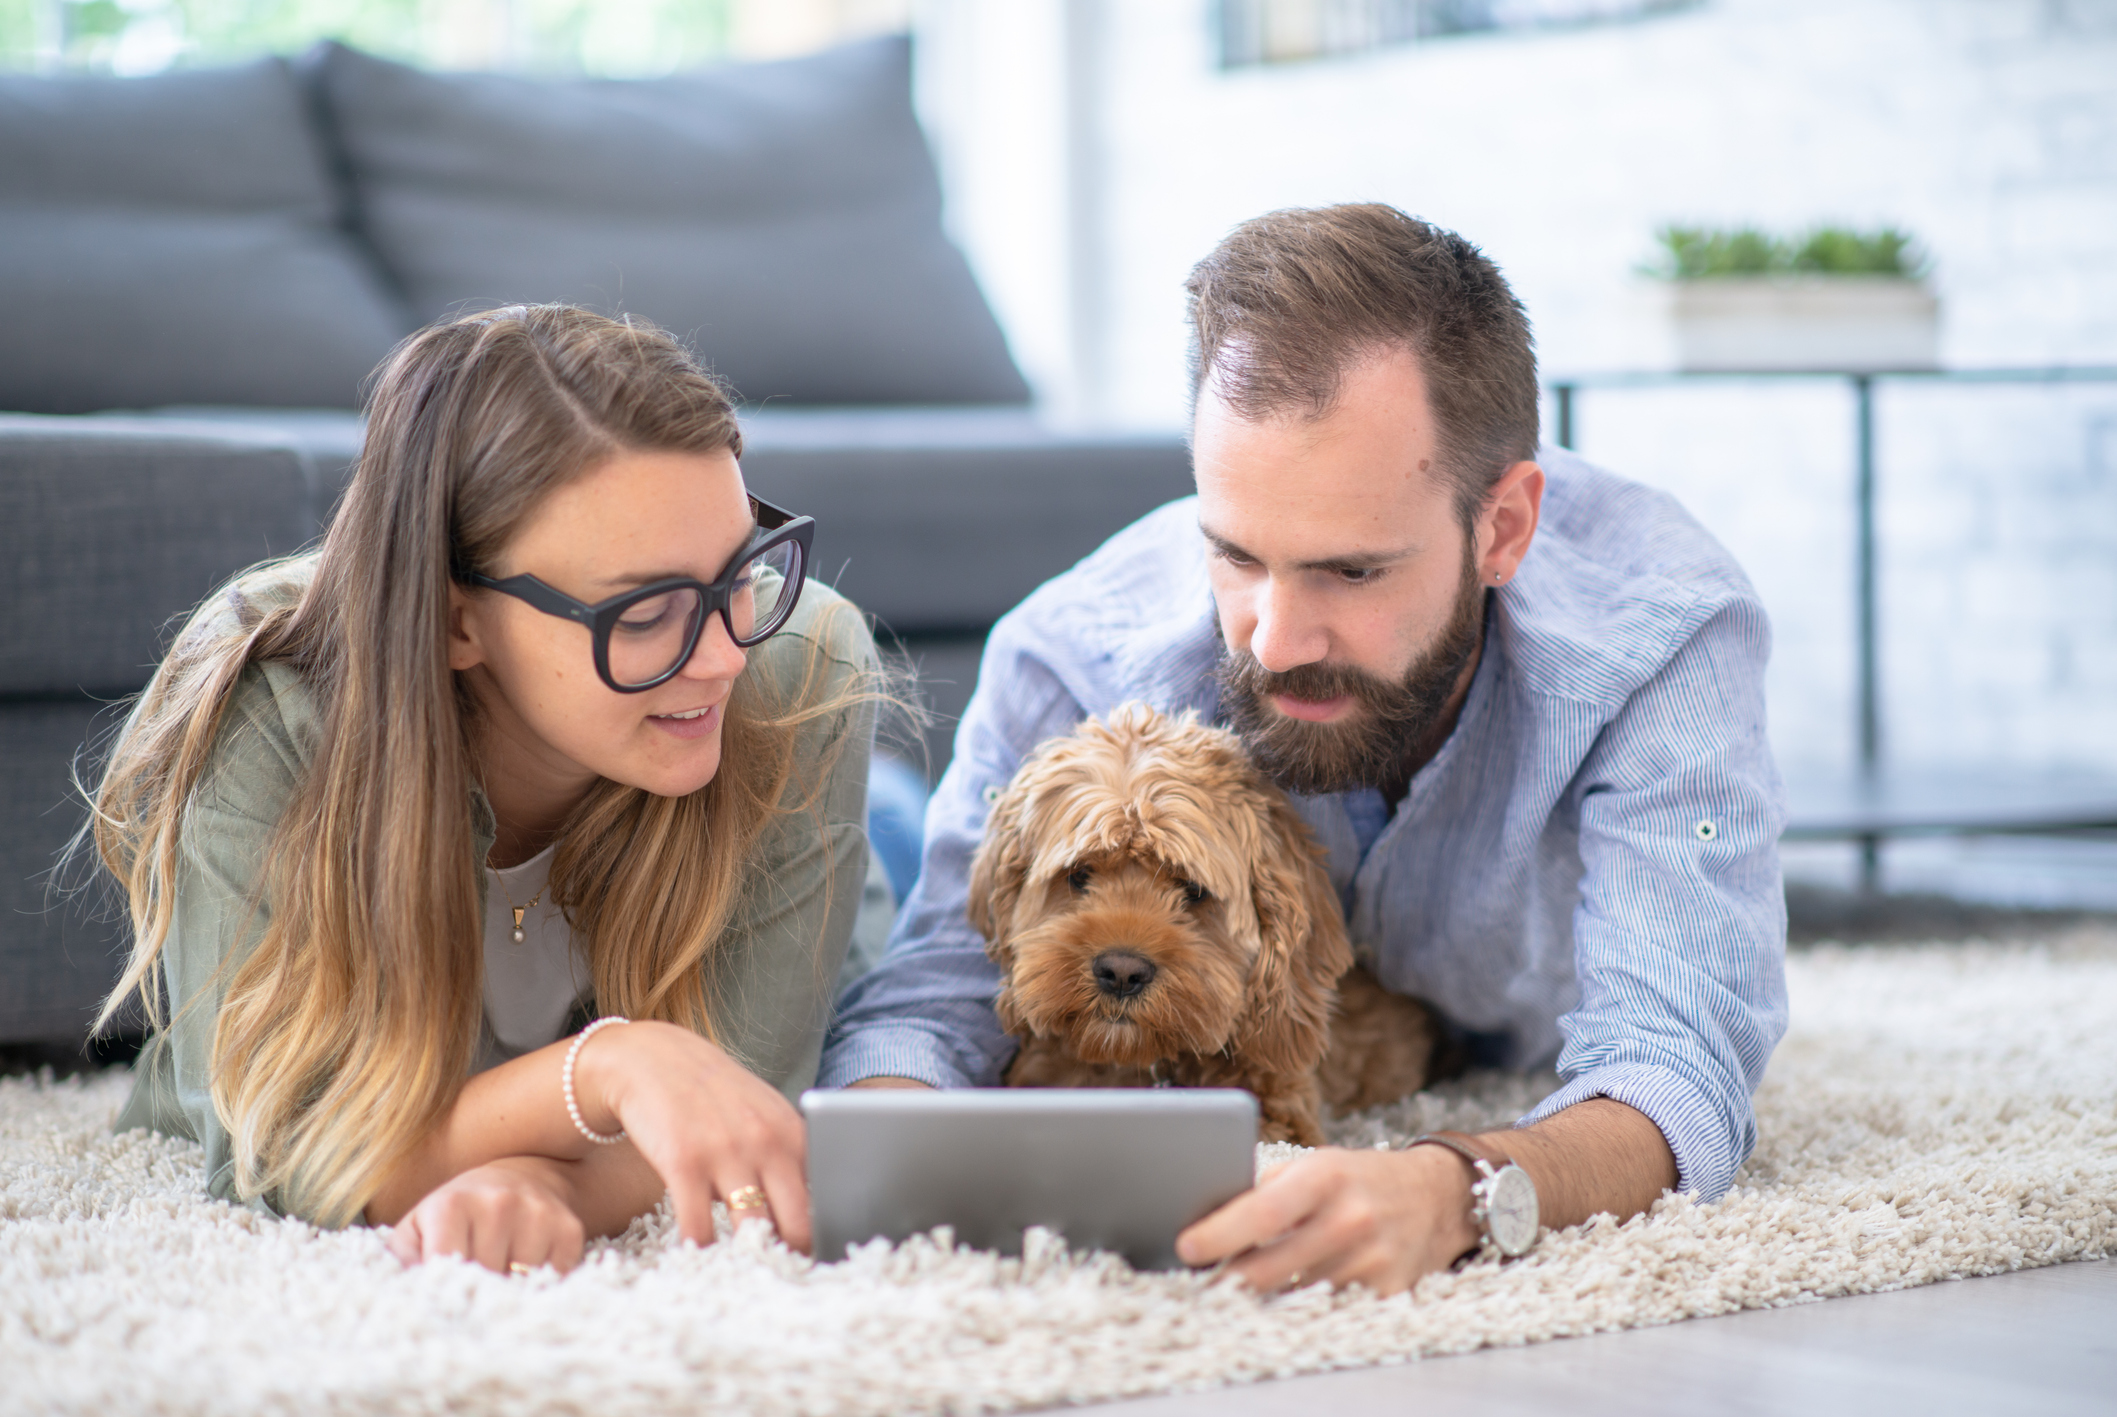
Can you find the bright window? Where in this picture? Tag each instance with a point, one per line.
(1277, 31)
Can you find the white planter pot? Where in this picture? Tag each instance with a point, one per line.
(1851, 323)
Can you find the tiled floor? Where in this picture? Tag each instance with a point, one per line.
(2040, 1341)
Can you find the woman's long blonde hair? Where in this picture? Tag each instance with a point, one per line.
(346, 1034)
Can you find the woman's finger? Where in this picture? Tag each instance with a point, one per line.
(747, 1198)
(491, 1237)
(404, 1242)
(535, 1229)
(569, 1242)
(533, 1247)
(692, 1195)
(789, 1196)
(444, 1226)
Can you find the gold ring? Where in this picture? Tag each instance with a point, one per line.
(1293, 1281)
(749, 1198)
(517, 1267)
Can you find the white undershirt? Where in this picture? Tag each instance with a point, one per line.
(530, 988)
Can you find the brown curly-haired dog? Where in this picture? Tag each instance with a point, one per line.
(1160, 914)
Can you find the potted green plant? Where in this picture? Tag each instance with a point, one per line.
(1829, 299)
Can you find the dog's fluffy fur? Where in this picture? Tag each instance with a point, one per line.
(1149, 849)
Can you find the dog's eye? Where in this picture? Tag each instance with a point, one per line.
(1194, 893)
(1079, 878)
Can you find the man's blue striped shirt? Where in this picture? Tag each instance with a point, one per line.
(1587, 872)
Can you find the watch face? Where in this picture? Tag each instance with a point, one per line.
(1510, 1212)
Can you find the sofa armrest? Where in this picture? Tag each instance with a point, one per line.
(111, 529)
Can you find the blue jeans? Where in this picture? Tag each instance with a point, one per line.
(896, 819)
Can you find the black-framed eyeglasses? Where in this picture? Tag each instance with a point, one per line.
(644, 636)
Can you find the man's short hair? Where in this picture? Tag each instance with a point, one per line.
(1290, 300)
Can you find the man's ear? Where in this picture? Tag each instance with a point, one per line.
(1507, 522)
(465, 649)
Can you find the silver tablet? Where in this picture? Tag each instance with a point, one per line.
(1119, 1169)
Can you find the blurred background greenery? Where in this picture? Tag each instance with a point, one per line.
(1699, 252)
(612, 37)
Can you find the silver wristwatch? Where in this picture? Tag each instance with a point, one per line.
(1502, 1199)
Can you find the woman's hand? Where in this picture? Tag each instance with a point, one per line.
(708, 1126)
(509, 1212)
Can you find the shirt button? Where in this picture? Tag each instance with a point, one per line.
(992, 795)
(1705, 831)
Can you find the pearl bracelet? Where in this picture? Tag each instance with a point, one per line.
(573, 1108)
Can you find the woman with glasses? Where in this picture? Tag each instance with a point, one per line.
(489, 868)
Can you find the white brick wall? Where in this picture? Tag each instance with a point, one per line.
(1768, 466)
(1988, 127)
(1997, 512)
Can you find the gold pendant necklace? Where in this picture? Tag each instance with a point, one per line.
(518, 934)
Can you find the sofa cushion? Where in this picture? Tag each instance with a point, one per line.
(61, 947)
(939, 521)
(173, 239)
(328, 440)
(109, 532)
(784, 218)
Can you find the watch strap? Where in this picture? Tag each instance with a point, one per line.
(1487, 1164)
(1484, 1162)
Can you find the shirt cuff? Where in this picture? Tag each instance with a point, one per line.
(892, 1052)
(1689, 1120)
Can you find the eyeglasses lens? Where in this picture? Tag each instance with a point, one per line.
(764, 591)
(650, 638)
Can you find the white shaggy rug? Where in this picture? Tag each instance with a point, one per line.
(1937, 1111)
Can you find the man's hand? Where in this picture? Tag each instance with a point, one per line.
(889, 1082)
(1378, 1218)
(513, 1211)
(1386, 1218)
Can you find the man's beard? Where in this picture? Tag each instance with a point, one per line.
(1369, 746)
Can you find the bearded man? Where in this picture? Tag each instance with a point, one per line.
(1520, 702)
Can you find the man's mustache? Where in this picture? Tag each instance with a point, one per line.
(1316, 682)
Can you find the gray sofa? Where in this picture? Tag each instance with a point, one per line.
(199, 269)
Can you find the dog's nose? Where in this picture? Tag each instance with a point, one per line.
(1121, 974)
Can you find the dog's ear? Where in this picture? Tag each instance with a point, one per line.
(998, 870)
(1302, 949)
